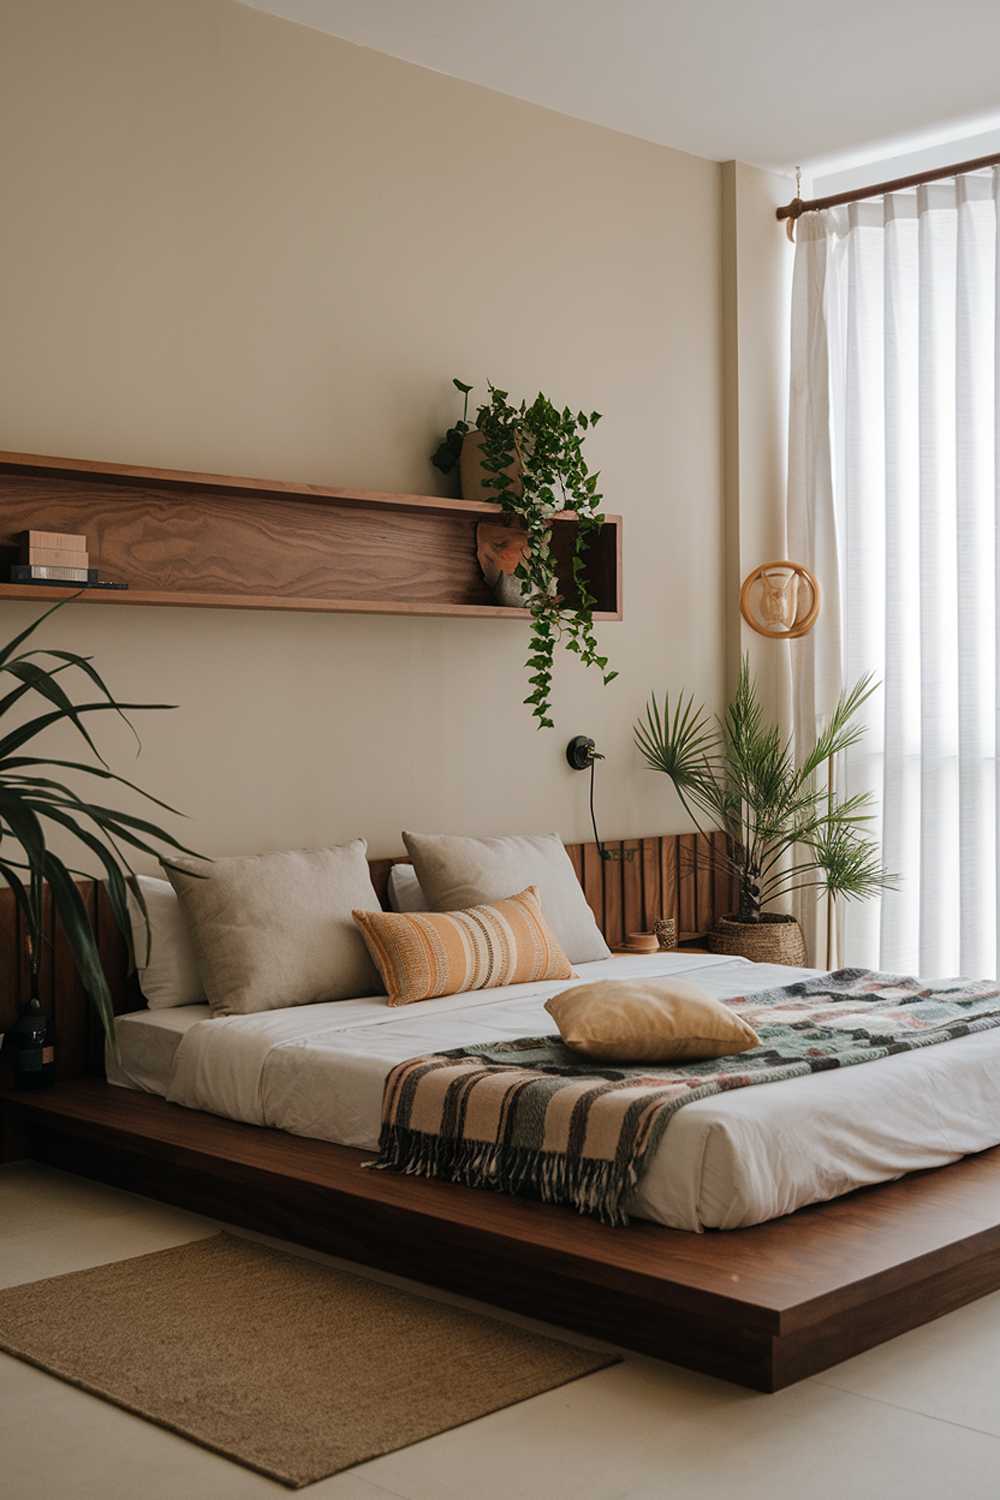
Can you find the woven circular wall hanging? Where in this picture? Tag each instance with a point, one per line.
(780, 600)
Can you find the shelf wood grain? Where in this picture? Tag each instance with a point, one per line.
(215, 541)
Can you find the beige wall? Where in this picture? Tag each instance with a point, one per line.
(757, 266)
(235, 244)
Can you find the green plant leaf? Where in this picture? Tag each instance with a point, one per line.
(20, 763)
(31, 800)
(6, 652)
(84, 665)
(75, 923)
(45, 685)
(739, 773)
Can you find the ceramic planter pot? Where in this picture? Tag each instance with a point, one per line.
(500, 549)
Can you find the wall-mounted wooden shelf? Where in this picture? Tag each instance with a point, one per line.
(215, 541)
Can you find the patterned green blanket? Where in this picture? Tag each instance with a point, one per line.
(532, 1118)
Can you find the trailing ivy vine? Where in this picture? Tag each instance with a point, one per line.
(544, 447)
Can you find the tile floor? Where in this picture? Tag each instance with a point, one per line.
(917, 1418)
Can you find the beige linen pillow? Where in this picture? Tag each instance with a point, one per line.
(648, 1020)
(456, 872)
(171, 976)
(273, 930)
(404, 889)
(424, 954)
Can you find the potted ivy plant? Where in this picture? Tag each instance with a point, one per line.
(788, 829)
(529, 459)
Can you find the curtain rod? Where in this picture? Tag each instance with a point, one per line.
(800, 206)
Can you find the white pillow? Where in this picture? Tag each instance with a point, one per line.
(171, 976)
(405, 891)
(456, 872)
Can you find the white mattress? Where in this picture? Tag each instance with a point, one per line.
(725, 1162)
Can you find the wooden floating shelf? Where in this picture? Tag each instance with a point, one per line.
(29, 593)
(214, 541)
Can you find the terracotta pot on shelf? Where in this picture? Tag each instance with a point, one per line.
(775, 939)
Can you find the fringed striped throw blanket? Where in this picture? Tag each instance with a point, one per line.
(532, 1118)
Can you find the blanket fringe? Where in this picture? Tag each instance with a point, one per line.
(590, 1186)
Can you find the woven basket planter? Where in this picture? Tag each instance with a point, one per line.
(775, 939)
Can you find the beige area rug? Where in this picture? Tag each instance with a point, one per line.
(295, 1369)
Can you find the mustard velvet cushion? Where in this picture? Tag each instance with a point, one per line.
(648, 1020)
(424, 954)
(272, 930)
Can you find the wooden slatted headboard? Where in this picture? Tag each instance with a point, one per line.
(665, 875)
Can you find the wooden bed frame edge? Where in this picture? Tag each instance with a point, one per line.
(763, 1307)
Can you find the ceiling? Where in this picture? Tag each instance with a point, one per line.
(762, 81)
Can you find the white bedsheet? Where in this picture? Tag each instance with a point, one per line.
(725, 1162)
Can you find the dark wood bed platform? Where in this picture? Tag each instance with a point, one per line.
(764, 1307)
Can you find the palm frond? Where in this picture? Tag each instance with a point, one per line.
(841, 731)
(740, 773)
(851, 866)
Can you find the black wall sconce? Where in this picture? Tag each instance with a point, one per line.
(583, 754)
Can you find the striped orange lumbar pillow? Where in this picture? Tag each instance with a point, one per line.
(422, 954)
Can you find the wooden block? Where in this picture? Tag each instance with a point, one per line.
(59, 574)
(68, 541)
(55, 557)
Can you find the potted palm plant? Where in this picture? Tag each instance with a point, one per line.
(34, 801)
(788, 829)
(529, 459)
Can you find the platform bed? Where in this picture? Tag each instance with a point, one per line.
(763, 1307)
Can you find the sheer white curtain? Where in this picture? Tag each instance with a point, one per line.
(894, 499)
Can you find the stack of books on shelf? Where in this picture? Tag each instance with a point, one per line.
(56, 558)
